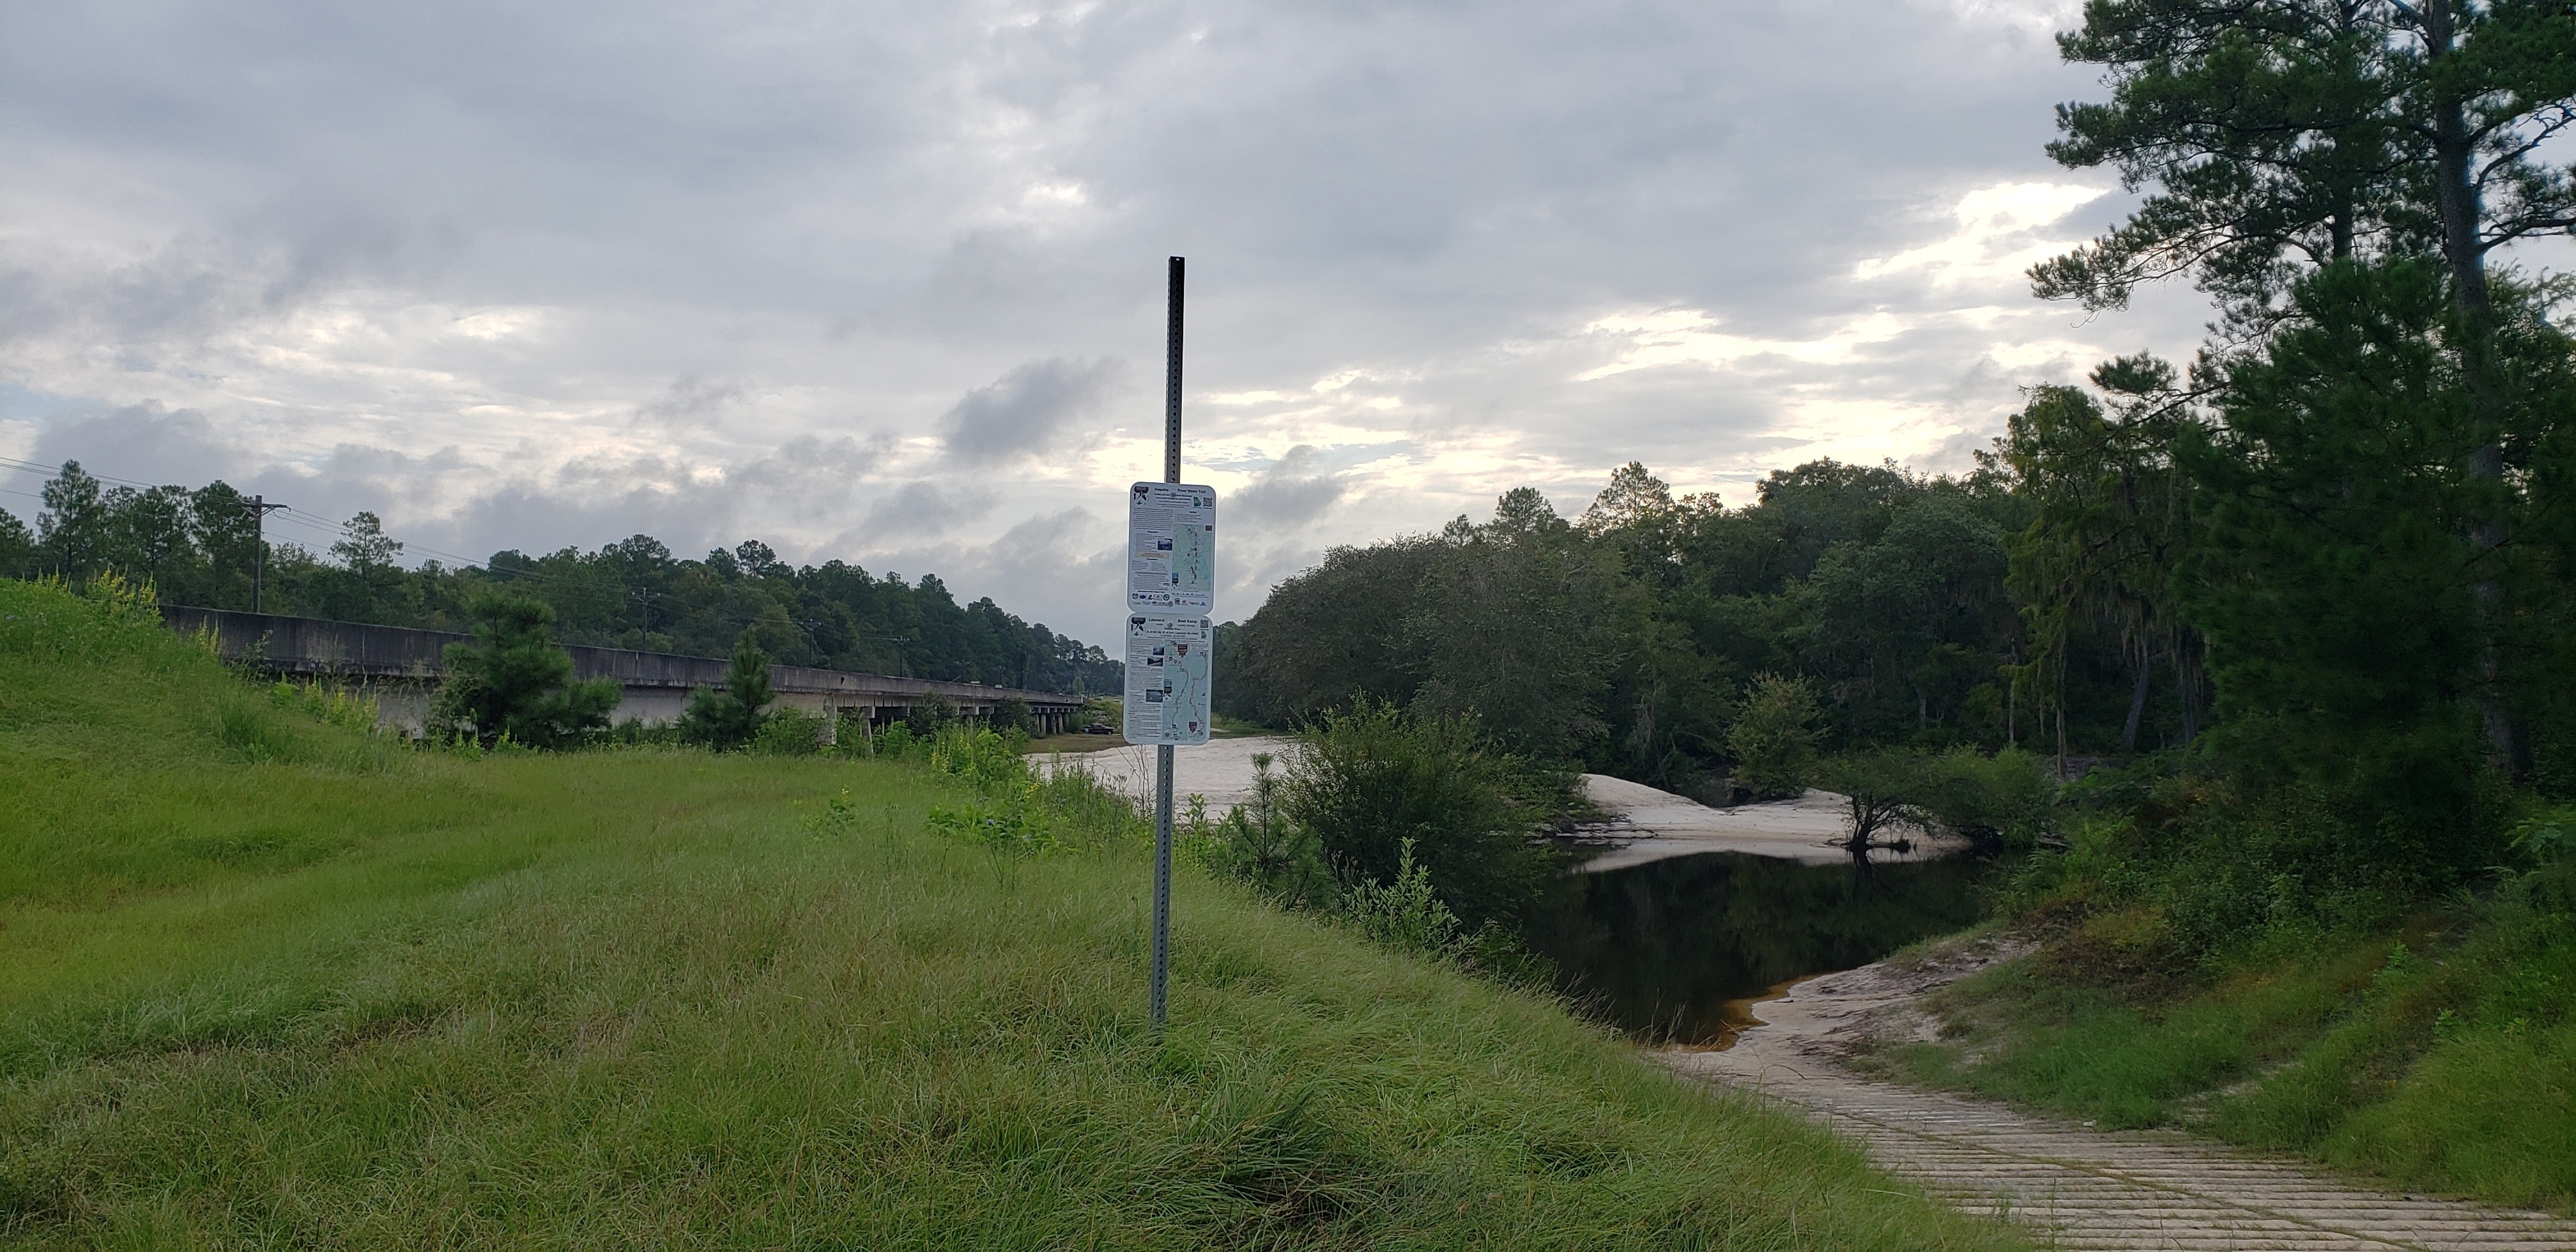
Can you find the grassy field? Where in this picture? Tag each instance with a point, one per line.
(267, 980)
(2439, 1055)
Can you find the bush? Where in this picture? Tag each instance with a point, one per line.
(1013, 809)
(1011, 714)
(1773, 739)
(789, 732)
(1406, 913)
(2225, 864)
(1996, 801)
(928, 715)
(1368, 782)
(2002, 800)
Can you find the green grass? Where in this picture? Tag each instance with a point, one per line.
(268, 981)
(2440, 1056)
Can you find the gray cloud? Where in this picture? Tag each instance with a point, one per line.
(917, 510)
(729, 273)
(1288, 494)
(1025, 409)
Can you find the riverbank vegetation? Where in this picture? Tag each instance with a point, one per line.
(2300, 613)
(268, 979)
(1414, 827)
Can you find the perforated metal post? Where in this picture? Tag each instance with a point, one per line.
(1163, 752)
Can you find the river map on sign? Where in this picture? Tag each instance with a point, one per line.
(1171, 548)
(1167, 679)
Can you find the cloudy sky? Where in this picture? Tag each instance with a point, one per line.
(884, 282)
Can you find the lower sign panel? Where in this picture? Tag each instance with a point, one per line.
(1167, 679)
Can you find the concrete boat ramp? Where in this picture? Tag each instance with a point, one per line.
(2073, 1185)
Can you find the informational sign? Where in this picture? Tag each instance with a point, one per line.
(1171, 549)
(1167, 679)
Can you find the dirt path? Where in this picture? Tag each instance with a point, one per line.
(2077, 1187)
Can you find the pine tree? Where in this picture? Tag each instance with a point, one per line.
(514, 680)
(730, 716)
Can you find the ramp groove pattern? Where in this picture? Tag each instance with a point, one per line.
(2073, 1186)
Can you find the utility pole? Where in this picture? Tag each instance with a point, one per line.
(259, 508)
(1163, 752)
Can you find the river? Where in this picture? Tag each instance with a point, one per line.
(1673, 950)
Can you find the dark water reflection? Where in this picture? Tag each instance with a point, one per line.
(1660, 948)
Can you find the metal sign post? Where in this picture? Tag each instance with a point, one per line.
(1171, 586)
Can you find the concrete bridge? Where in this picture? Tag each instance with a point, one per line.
(402, 667)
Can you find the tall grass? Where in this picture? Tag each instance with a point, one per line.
(331, 992)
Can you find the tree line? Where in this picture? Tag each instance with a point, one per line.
(201, 547)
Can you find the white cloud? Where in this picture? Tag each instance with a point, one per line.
(1690, 337)
(1995, 238)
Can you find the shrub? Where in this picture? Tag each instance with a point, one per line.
(2005, 799)
(789, 732)
(1406, 913)
(1368, 781)
(1012, 809)
(930, 714)
(1010, 714)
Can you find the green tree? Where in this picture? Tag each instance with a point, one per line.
(2340, 579)
(1670, 702)
(730, 716)
(514, 680)
(778, 635)
(17, 547)
(368, 585)
(1883, 789)
(73, 533)
(1774, 737)
(1330, 635)
(2273, 133)
(2264, 132)
(1517, 626)
(1910, 620)
(2113, 520)
(226, 532)
(148, 535)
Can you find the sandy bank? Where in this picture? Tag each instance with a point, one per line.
(1651, 825)
(1644, 824)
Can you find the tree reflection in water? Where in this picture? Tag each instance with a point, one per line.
(1659, 949)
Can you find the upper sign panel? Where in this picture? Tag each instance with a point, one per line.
(1171, 548)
